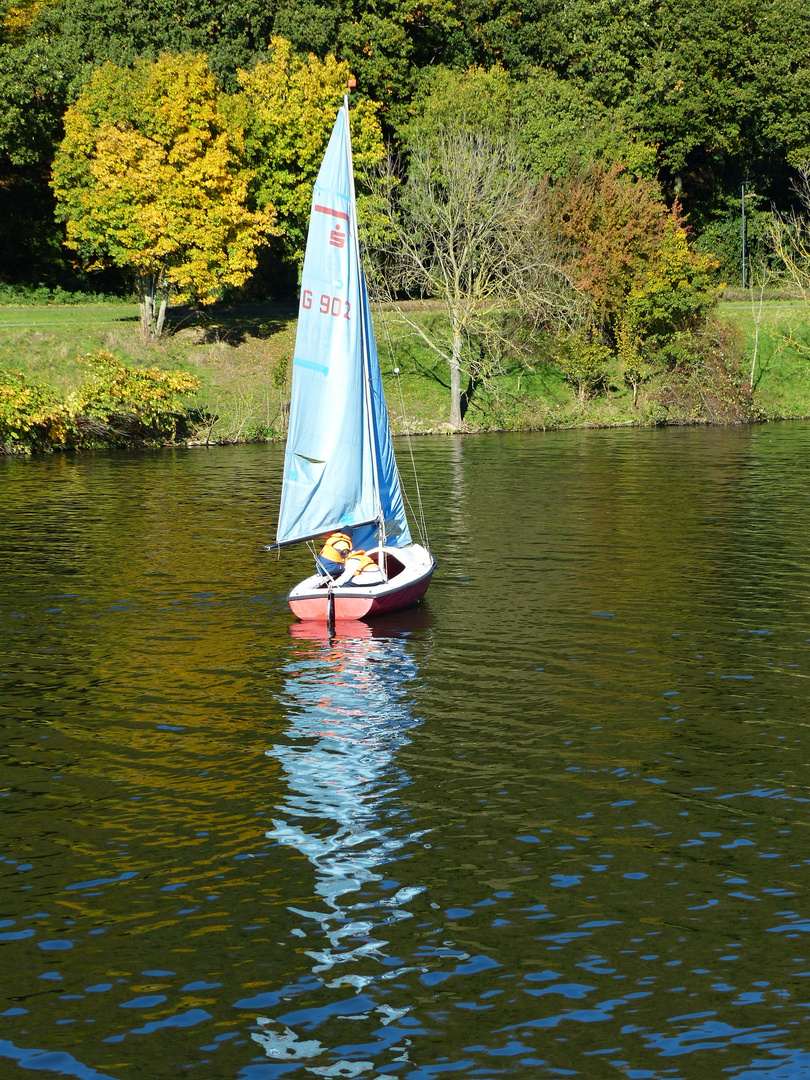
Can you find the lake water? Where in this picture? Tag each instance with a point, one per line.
(554, 822)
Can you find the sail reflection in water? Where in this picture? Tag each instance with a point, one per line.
(349, 714)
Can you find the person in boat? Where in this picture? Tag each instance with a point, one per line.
(331, 562)
(361, 570)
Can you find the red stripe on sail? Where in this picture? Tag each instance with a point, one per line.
(329, 210)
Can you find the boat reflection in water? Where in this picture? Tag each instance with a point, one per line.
(349, 715)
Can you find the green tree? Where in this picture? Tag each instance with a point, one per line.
(722, 90)
(557, 125)
(151, 177)
(563, 128)
(32, 101)
(87, 33)
(288, 104)
(387, 42)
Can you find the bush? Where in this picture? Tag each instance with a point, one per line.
(703, 380)
(631, 255)
(45, 296)
(31, 417)
(584, 363)
(116, 406)
(121, 405)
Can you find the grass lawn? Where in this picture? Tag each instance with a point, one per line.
(782, 371)
(242, 355)
(238, 356)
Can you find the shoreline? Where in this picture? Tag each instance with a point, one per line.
(241, 356)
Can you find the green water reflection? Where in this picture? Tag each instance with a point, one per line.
(553, 823)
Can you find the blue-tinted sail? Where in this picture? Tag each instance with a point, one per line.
(328, 473)
(397, 533)
(339, 468)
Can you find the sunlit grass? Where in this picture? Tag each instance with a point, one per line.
(235, 355)
(781, 375)
(239, 355)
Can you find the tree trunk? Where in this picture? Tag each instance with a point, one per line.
(467, 396)
(146, 297)
(152, 316)
(164, 301)
(455, 380)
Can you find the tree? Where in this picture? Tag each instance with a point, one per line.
(789, 234)
(87, 33)
(466, 226)
(632, 250)
(721, 90)
(32, 101)
(650, 292)
(288, 105)
(388, 42)
(557, 125)
(151, 177)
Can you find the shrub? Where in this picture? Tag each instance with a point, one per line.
(31, 417)
(45, 296)
(631, 255)
(116, 406)
(120, 405)
(584, 362)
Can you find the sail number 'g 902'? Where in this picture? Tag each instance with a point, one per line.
(327, 305)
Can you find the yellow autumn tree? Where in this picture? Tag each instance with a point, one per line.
(287, 105)
(152, 177)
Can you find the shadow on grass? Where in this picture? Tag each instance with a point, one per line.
(232, 324)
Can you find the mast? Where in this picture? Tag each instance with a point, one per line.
(372, 431)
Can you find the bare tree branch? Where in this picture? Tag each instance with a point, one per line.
(467, 225)
(789, 235)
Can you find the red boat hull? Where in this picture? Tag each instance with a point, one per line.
(352, 606)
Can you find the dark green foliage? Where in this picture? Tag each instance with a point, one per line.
(310, 26)
(92, 31)
(707, 94)
(721, 234)
(32, 100)
(721, 89)
(33, 89)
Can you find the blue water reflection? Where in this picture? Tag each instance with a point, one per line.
(347, 700)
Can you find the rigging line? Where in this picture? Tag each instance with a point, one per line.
(311, 546)
(420, 516)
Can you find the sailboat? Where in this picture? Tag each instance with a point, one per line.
(340, 473)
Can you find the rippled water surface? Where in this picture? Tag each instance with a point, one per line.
(554, 822)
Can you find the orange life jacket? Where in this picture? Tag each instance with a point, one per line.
(360, 561)
(337, 547)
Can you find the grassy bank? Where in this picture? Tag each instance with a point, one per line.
(239, 357)
(781, 373)
(242, 358)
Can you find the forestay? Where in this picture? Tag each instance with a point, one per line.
(338, 426)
